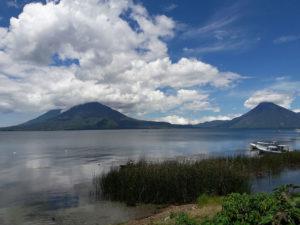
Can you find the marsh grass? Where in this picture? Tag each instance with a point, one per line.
(184, 181)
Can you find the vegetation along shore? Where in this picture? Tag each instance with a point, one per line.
(189, 182)
(282, 206)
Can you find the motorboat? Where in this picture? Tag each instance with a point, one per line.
(270, 147)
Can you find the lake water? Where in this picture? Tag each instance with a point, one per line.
(45, 177)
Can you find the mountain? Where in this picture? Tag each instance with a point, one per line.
(44, 117)
(265, 115)
(89, 116)
(95, 116)
(211, 124)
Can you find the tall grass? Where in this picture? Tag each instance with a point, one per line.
(182, 182)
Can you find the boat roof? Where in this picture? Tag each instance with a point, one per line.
(266, 143)
(272, 146)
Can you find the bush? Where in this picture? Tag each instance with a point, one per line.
(278, 208)
(241, 209)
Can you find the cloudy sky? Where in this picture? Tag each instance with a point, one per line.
(178, 61)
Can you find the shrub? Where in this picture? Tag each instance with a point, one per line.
(241, 209)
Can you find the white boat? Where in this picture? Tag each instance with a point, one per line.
(270, 147)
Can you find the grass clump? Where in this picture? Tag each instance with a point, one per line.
(170, 182)
(205, 199)
(182, 182)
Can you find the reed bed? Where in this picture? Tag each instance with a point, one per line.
(184, 181)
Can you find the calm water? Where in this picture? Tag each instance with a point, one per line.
(45, 177)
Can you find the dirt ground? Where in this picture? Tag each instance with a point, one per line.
(163, 216)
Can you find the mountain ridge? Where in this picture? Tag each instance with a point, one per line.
(265, 115)
(87, 116)
(96, 116)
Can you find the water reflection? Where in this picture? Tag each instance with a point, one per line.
(268, 184)
(46, 176)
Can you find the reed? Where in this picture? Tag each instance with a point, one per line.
(184, 181)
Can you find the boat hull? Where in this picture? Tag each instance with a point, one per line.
(268, 148)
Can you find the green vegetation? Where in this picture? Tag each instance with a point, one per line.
(169, 182)
(184, 219)
(279, 207)
(205, 199)
(183, 182)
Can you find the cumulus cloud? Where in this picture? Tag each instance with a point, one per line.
(218, 117)
(175, 119)
(280, 98)
(120, 53)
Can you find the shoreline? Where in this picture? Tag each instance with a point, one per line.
(164, 215)
(282, 206)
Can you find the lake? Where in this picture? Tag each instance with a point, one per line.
(45, 177)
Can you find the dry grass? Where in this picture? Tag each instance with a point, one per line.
(164, 216)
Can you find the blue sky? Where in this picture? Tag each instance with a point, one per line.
(179, 62)
(266, 46)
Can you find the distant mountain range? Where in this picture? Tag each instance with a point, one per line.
(96, 116)
(265, 115)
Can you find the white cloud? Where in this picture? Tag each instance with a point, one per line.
(280, 98)
(218, 117)
(285, 39)
(286, 85)
(215, 47)
(174, 119)
(122, 64)
(296, 110)
(170, 7)
(220, 33)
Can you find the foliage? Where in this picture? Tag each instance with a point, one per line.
(277, 208)
(184, 219)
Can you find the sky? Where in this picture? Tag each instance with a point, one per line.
(168, 60)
